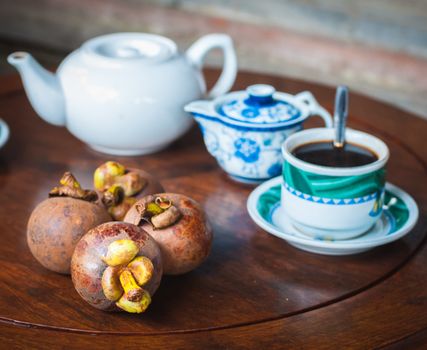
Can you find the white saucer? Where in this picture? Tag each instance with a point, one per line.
(4, 132)
(400, 214)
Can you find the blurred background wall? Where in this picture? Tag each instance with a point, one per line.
(377, 47)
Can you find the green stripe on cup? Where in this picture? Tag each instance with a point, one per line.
(334, 187)
(267, 200)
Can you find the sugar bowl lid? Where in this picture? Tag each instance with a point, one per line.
(259, 104)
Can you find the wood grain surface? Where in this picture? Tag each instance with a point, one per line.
(254, 291)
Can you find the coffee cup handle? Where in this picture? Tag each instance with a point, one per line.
(314, 108)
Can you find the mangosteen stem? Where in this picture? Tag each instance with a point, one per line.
(160, 213)
(69, 180)
(70, 187)
(131, 288)
(169, 217)
(113, 196)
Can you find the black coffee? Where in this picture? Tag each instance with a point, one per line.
(324, 153)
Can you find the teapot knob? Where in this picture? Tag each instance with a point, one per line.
(260, 94)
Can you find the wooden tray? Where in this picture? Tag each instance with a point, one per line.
(255, 289)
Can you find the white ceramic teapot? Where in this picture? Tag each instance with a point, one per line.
(124, 93)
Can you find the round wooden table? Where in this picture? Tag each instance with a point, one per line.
(255, 290)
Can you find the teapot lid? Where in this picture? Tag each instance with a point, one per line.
(259, 104)
(131, 46)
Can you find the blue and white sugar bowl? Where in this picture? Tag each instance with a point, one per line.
(244, 130)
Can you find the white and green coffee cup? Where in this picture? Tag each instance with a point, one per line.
(331, 202)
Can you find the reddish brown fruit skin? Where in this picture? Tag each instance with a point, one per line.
(153, 186)
(184, 245)
(87, 266)
(56, 225)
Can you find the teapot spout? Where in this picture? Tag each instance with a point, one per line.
(42, 87)
(201, 109)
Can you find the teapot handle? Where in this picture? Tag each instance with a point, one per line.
(197, 52)
(314, 107)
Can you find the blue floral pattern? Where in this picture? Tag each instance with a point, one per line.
(250, 113)
(245, 154)
(280, 111)
(247, 149)
(275, 169)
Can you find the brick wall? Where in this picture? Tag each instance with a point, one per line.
(378, 47)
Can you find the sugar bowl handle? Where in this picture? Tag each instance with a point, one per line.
(197, 52)
(314, 108)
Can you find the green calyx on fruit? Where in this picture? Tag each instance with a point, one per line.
(118, 186)
(111, 283)
(70, 187)
(113, 173)
(142, 269)
(105, 174)
(163, 202)
(131, 182)
(121, 252)
(134, 307)
(160, 213)
(113, 196)
(125, 275)
(69, 180)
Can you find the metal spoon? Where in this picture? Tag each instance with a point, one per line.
(340, 115)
